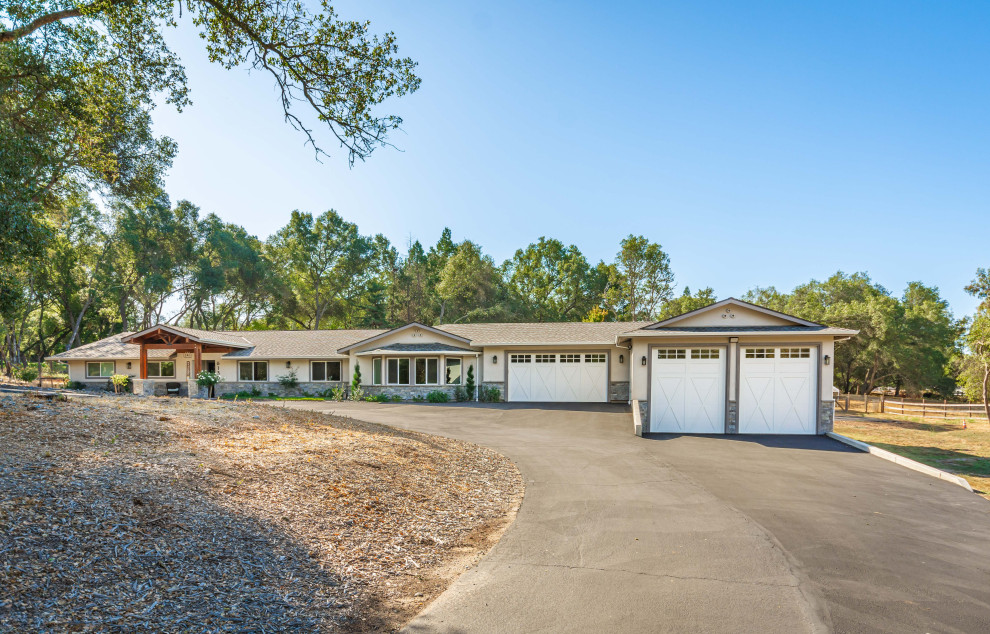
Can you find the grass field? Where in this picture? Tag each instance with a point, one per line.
(946, 445)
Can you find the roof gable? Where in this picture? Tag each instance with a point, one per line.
(733, 313)
(413, 332)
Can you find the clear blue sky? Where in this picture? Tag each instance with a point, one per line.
(759, 142)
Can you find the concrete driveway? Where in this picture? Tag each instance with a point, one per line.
(713, 534)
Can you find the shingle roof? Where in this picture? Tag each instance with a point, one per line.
(419, 347)
(297, 344)
(111, 348)
(553, 333)
(811, 330)
(220, 336)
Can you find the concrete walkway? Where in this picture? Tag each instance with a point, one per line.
(718, 534)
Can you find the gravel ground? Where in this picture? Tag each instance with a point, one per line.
(124, 513)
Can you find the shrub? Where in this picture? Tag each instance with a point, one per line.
(438, 396)
(356, 380)
(338, 393)
(396, 398)
(357, 394)
(75, 385)
(469, 383)
(120, 382)
(208, 380)
(490, 394)
(419, 398)
(460, 394)
(289, 380)
(26, 373)
(378, 398)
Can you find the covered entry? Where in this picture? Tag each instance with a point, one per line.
(687, 391)
(778, 390)
(568, 377)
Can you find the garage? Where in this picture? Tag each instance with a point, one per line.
(778, 387)
(569, 377)
(688, 390)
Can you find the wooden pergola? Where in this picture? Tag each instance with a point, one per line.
(165, 338)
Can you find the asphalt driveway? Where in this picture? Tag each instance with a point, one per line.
(713, 534)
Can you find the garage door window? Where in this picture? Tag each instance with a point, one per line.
(546, 358)
(795, 353)
(671, 353)
(520, 358)
(594, 358)
(704, 353)
(570, 358)
(759, 353)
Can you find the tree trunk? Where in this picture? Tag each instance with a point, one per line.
(986, 384)
(74, 339)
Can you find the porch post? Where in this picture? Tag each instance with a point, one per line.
(197, 359)
(143, 362)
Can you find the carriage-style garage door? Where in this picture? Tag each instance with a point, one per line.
(778, 389)
(572, 377)
(687, 392)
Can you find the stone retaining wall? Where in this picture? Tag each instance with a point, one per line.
(619, 392)
(826, 417)
(274, 387)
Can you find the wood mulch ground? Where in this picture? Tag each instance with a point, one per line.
(126, 513)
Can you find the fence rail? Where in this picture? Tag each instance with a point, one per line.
(922, 408)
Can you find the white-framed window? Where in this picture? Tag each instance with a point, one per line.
(100, 369)
(704, 353)
(671, 353)
(427, 371)
(452, 371)
(795, 353)
(597, 357)
(570, 358)
(546, 358)
(325, 371)
(252, 371)
(376, 371)
(161, 369)
(760, 353)
(398, 371)
(520, 358)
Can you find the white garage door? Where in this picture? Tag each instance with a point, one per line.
(687, 395)
(778, 390)
(558, 377)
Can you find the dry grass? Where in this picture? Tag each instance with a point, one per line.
(947, 445)
(178, 515)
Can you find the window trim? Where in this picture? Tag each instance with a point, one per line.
(253, 372)
(148, 373)
(113, 370)
(381, 371)
(388, 374)
(460, 370)
(326, 373)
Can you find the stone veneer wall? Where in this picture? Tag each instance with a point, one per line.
(644, 415)
(274, 387)
(826, 416)
(619, 391)
(732, 423)
(407, 392)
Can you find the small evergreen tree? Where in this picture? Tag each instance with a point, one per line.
(356, 381)
(469, 384)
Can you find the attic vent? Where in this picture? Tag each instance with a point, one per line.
(728, 314)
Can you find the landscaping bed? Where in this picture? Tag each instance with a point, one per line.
(124, 513)
(944, 444)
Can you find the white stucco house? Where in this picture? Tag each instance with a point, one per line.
(731, 367)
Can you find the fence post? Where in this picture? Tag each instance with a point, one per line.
(945, 409)
(883, 402)
(923, 408)
(866, 403)
(847, 402)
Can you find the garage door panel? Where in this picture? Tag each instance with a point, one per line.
(558, 377)
(688, 391)
(779, 390)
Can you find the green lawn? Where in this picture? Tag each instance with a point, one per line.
(946, 445)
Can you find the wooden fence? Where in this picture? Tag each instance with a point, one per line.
(921, 408)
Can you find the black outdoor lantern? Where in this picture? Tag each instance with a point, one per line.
(622, 359)
(643, 360)
(494, 359)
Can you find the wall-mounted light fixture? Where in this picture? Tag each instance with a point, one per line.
(494, 359)
(622, 359)
(826, 359)
(643, 360)
(288, 364)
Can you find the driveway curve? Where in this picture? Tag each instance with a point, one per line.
(718, 534)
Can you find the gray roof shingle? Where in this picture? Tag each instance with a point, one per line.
(551, 333)
(111, 348)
